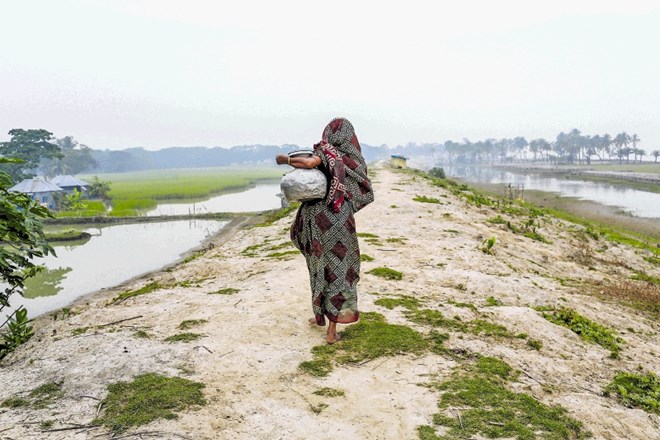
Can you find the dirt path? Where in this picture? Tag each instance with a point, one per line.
(255, 339)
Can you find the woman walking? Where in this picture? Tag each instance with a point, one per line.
(324, 229)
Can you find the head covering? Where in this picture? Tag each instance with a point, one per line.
(341, 155)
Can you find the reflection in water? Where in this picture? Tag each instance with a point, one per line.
(634, 201)
(120, 253)
(260, 198)
(46, 283)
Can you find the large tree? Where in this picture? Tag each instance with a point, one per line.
(621, 141)
(31, 147)
(76, 159)
(21, 233)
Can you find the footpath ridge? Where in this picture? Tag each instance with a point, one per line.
(463, 302)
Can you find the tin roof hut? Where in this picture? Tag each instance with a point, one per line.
(69, 183)
(398, 161)
(39, 190)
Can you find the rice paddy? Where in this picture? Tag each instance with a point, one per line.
(132, 193)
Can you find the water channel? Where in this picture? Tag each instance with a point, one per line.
(259, 198)
(116, 253)
(635, 202)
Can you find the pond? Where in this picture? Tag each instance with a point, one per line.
(114, 254)
(261, 197)
(633, 201)
(111, 256)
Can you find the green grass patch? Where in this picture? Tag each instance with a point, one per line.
(79, 331)
(653, 259)
(15, 402)
(386, 273)
(142, 334)
(278, 215)
(482, 327)
(131, 207)
(280, 246)
(396, 240)
(435, 318)
(39, 398)
(43, 395)
(147, 398)
(463, 305)
(190, 323)
(587, 329)
(67, 235)
(493, 302)
(491, 366)
(536, 236)
(497, 220)
(184, 337)
(250, 251)
(404, 301)
(329, 392)
(535, 344)
(46, 424)
(369, 339)
(195, 282)
(636, 390)
(476, 198)
(135, 190)
(424, 199)
(487, 246)
(92, 208)
(281, 255)
(366, 235)
(477, 402)
(225, 291)
(151, 287)
(365, 257)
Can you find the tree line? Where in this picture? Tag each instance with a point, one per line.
(38, 152)
(572, 147)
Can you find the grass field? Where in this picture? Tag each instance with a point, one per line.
(133, 192)
(644, 167)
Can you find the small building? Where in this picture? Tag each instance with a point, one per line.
(69, 183)
(39, 190)
(398, 161)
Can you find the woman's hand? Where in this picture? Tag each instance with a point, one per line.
(298, 162)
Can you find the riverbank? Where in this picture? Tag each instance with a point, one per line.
(583, 211)
(246, 298)
(644, 177)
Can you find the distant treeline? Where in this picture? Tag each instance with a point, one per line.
(571, 147)
(41, 154)
(135, 159)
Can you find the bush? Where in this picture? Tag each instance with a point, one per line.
(437, 172)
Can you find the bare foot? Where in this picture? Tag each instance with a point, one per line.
(312, 321)
(332, 339)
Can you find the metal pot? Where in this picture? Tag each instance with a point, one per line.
(303, 185)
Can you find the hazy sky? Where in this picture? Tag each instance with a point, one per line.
(157, 73)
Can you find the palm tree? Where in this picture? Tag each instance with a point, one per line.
(641, 152)
(606, 144)
(634, 139)
(655, 154)
(621, 141)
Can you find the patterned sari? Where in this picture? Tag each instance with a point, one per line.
(324, 230)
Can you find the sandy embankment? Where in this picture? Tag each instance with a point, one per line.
(255, 339)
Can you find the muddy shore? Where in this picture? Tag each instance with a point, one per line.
(588, 210)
